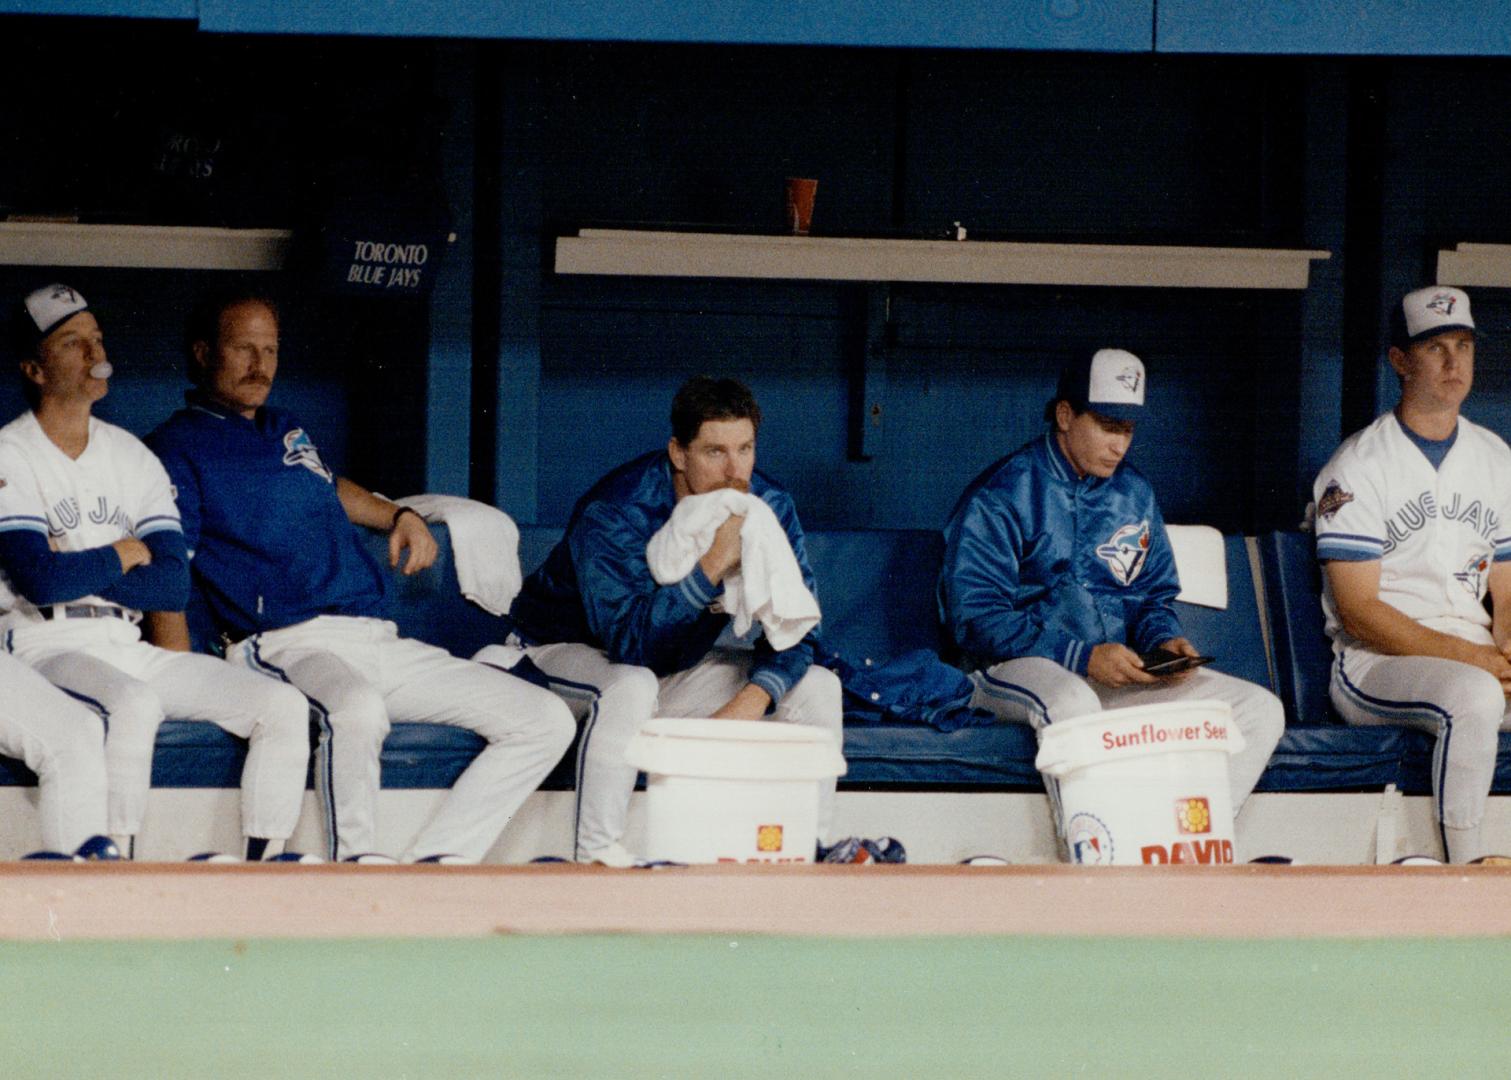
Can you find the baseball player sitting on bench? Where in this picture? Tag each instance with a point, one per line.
(622, 648)
(1413, 519)
(1058, 575)
(64, 744)
(89, 540)
(275, 553)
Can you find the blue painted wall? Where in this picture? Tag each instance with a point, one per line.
(523, 387)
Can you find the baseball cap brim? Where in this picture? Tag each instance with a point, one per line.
(1448, 329)
(1111, 411)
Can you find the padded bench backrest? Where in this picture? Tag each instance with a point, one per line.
(1234, 634)
(1293, 596)
(876, 586)
(877, 589)
(430, 605)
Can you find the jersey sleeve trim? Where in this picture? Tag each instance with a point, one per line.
(157, 523)
(1349, 547)
(696, 589)
(775, 686)
(10, 522)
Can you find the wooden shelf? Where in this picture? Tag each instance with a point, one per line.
(26, 243)
(1476, 264)
(629, 252)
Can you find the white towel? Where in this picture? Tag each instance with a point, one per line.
(769, 586)
(484, 547)
(1201, 563)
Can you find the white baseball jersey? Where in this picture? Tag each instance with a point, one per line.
(1434, 531)
(116, 489)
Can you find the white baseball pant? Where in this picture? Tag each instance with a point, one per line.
(360, 675)
(134, 685)
(64, 744)
(614, 701)
(1037, 691)
(1461, 705)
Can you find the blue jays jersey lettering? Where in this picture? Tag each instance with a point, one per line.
(270, 541)
(596, 588)
(1039, 562)
(1435, 529)
(59, 516)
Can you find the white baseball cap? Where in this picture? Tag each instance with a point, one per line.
(1436, 309)
(1109, 383)
(50, 307)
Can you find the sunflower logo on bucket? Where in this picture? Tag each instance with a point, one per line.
(1193, 815)
(768, 838)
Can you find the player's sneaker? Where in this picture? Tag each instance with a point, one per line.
(371, 858)
(1417, 860)
(849, 850)
(46, 856)
(447, 860)
(1272, 860)
(98, 849)
(985, 860)
(1491, 860)
(294, 857)
(614, 855)
(884, 849)
(214, 857)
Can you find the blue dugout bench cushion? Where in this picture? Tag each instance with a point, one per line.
(878, 593)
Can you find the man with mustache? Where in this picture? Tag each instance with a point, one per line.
(1058, 575)
(298, 598)
(89, 541)
(1413, 522)
(621, 648)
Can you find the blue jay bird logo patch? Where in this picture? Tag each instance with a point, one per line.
(1472, 576)
(1442, 303)
(298, 449)
(1126, 551)
(1131, 377)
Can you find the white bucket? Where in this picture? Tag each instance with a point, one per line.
(743, 791)
(1144, 785)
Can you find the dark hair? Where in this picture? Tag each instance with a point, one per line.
(1054, 403)
(204, 320)
(706, 398)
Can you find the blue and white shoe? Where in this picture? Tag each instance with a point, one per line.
(214, 857)
(447, 860)
(884, 849)
(98, 849)
(849, 850)
(858, 852)
(371, 858)
(46, 856)
(294, 857)
(985, 860)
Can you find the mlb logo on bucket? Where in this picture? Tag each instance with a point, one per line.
(1193, 816)
(769, 838)
(1089, 840)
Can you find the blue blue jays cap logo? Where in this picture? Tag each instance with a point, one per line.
(1131, 377)
(1472, 576)
(1126, 551)
(298, 449)
(1442, 303)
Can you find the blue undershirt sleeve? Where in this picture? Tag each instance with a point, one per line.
(45, 576)
(161, 585)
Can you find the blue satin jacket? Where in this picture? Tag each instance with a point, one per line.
(596, 588)
(1039, 562)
